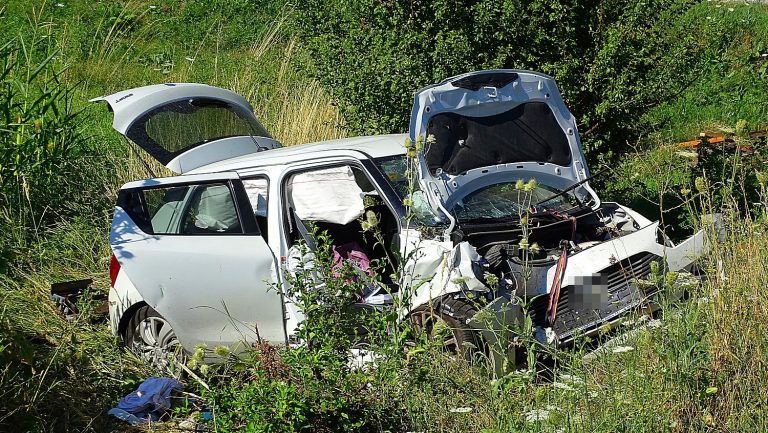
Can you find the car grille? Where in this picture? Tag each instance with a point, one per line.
(622, 295)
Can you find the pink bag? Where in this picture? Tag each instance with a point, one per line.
(352, 253)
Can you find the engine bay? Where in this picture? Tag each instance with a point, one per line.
(511, 251)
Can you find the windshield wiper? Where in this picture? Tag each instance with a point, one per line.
(575, 185)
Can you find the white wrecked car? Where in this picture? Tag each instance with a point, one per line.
(195, 255)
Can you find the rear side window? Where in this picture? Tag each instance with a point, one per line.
(206, 209)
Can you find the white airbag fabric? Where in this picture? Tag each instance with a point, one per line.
(216, 210)
(257, 190)
(328, 195)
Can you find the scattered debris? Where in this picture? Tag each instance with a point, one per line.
(66, 295)
(564, 386)
(569, 378)
(461, 410)
(188, 424)
(623, 349)
(539, 415)
(708, 141)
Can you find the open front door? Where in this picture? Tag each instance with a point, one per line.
(192, 248)
(185, 126)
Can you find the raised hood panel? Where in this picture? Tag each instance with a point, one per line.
(497, 123)
(185, 126)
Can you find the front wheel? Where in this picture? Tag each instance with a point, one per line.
(150, 337)
(446, 322)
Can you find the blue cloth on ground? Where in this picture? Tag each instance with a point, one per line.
(125, 416)
(150, 401)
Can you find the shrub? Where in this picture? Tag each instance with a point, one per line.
(312, 387)
(613, 60)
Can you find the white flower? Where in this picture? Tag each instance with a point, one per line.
(563, 386)
(152, 7)
(730, 9)
(537, 415)
(623, 349)
(59, 5)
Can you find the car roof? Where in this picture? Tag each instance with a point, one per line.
(374, 146)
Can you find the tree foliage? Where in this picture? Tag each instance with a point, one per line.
(613, 59)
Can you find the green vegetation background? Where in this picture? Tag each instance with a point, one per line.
(638, 75)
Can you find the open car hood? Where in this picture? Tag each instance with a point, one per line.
(185, 126)
(495, 126)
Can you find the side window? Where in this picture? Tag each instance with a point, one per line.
(329, 195)
(183, 210)
(258, 194)
(211, 209)
(342, 201)
(165, 207)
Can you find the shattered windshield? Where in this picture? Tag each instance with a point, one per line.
(499, 201)
(510, 200)
(394, 168)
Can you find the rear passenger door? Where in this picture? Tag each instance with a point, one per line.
(193, 248)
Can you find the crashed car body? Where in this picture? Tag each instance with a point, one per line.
(197, 256)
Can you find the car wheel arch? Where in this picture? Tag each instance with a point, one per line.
(126, 317)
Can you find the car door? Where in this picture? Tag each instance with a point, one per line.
(192, 247)
(185, 126)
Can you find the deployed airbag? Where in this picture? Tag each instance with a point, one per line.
(257, 190)
(329, 195)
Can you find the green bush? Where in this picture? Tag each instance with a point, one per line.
(613, 60)
(40, 142)
(312, 387)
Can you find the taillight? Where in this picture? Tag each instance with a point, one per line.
(114, 269)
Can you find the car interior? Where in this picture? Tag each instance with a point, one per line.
(343, 202)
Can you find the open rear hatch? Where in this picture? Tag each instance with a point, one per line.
(185, 126)
(493, 126)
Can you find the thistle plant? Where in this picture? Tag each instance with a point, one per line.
(412, 171)
(524, 199)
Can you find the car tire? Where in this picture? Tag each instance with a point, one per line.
(151, 338)
(448, 320)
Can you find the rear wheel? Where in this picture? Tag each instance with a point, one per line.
(151, 338)
(446, 322)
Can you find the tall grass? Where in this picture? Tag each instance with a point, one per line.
(294, 109)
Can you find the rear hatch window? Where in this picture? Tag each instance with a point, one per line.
(174, 128)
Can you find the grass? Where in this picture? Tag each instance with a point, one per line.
(733, 86)
(703, 368)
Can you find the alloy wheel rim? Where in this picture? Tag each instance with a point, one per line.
(156, 343)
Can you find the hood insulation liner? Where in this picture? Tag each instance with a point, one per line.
(528, 132)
